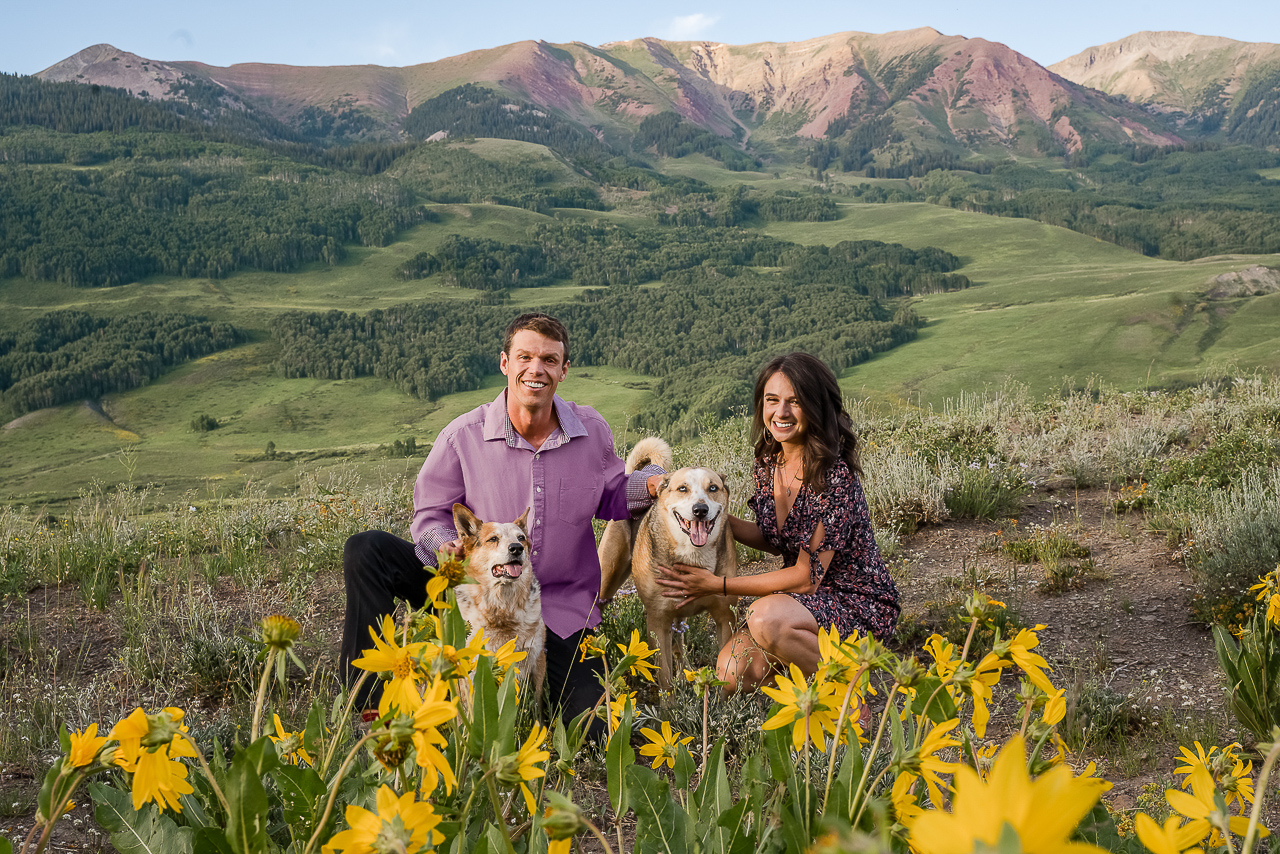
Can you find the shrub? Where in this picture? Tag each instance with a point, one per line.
(1234, 541)
(203, 423)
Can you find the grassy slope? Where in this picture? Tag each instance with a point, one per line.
(1047, 304)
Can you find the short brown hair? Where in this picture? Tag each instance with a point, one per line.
(543, 324)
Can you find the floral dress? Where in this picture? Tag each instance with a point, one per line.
(855, 592)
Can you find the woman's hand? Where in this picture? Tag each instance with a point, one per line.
(687, 583)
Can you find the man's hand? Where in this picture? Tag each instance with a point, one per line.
(453, 547)
(653, 482)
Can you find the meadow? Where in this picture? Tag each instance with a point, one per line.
(120, 603)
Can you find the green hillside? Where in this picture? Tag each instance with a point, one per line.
(1046, 304)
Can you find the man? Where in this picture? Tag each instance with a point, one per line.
(528, 448)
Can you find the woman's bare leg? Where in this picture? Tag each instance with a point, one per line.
(779, 630)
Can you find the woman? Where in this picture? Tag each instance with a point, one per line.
(809, 508)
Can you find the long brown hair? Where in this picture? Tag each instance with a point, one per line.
(828, 428)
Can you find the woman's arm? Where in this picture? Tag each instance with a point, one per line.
(692, 582)
(748, 533)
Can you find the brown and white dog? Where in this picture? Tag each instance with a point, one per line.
(505, 600)
(689, 524)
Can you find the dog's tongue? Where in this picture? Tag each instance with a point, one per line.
(511, 569)
(699, 530)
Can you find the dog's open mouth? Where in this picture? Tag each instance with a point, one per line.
(699, 530)
(507, 570)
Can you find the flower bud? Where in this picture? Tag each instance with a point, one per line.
(279, 631)
(162, 727)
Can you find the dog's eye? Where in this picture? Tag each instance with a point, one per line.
(492, 540)
(682, 488)
(713, 488)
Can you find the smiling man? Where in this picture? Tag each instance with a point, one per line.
(531, 449)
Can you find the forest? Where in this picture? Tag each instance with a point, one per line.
(701, 335)
(595, 255)
(67, 355)
(1175, 203)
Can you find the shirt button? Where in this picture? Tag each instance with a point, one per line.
(539, 488)
(537, 456)
(535, 551)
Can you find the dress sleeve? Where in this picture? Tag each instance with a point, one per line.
(837, 509)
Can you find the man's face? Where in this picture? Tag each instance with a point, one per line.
(533, 368)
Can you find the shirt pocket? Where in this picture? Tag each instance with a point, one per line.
(576, 502)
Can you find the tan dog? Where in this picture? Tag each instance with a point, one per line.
(689, 524)
(505, 600)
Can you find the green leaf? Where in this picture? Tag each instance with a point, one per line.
(211, 840)
(483, 731)
(712, 796)
(662, 827)
(247, 798)
(777, 744)
(46, 789)
(618, 758)
(144, 831)
(732, 835)
(940, 707)
(493, 838)
(844, 797)
(6, 847)
(683, 769)
(302, 794)
(793, 831)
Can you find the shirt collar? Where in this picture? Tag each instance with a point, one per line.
(497, 422)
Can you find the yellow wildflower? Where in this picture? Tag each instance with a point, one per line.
(1043, 812)
(812, 708)
(435, 710)
(401, 662)
(523, 766)
(1173, 838)
(400, 824)
(290, 744)
(664, 746)
(642, 652)
(85, 746)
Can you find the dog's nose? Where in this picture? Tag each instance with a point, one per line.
(515, 550)
(700, 510)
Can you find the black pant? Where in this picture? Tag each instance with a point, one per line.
(379, 568)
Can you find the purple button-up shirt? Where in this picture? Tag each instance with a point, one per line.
(481, 461)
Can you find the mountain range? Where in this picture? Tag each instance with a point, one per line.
(930, 92)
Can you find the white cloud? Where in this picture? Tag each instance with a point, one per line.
(690, 27)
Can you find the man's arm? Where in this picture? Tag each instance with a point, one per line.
(439, 486)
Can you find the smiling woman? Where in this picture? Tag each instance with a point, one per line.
(809, 507)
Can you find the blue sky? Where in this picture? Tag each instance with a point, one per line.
(395, 32)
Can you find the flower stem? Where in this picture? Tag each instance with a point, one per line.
(595, 831)
(889, 708)
(208, 773)
(844, 711)
(706, 707)
(333, 794)
(256, 730)
(498, 812)
(346, 716)
(1261, 789)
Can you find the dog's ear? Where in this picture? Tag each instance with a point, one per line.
(523, 521)
(465, 522)
(724, 484)
(664, 483)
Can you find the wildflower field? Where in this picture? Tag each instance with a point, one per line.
(169, 671)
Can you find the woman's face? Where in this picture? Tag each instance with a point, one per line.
(780, 409)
